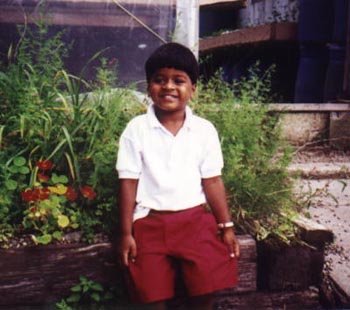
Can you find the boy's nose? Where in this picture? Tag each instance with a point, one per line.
(169, 84)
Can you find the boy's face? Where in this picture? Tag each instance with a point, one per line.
(170, 89)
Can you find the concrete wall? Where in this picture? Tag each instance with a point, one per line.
(315, 123)
(259, 12)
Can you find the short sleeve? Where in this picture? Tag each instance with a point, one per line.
(129, 159)
(212, 160)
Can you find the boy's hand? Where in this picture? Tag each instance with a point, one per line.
(128, 249)
(229, 238)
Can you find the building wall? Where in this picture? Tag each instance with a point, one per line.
(259, 12)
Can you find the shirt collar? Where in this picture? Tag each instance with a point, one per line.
(154, 122)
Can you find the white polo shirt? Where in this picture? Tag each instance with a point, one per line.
(169, 168)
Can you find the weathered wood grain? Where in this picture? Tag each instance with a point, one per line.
(43, 274)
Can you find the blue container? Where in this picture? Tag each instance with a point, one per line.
(335, 73)
(316, 20)
(340, 21)
(309, 86)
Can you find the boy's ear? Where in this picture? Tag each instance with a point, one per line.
(194, 88)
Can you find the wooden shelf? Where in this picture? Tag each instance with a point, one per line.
(223, 3)
(98, 13)
(286, 31)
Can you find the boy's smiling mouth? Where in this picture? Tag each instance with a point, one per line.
(168, 96)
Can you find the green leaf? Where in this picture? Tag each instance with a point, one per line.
(23, 170)
(55, 178)
(73, 298)
(11, 184)
(76, 288)
(83, 279)
(62, 221)
(95, 297)
(44, 239)
(97, 287)
(63, 179)
(19, 161)
(13, 169)
(57, 235)
(85, 288)
(59, 179)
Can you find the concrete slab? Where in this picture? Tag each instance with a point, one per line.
(325, 192)
(321, 170)
(330, 206)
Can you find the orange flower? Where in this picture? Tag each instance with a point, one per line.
(88, 192)
(71, 193)
(44, 165)
(42, 177)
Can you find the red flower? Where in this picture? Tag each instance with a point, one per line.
(44, 165)
(88, 192)
(42, 177)
(43, 193)
(71, 193)
(29, 195)
(33, 209)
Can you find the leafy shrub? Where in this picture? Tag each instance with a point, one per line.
(256, 157)
(58, 141)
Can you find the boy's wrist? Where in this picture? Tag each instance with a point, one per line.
(225, 225)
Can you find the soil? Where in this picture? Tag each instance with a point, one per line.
(27, 240)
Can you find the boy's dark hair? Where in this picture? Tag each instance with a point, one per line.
(172, 55)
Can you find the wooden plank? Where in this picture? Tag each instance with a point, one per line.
(223, 3)
(104, 2)
(286, 31)
(44, 274)
(72, 19)
(312, 232)
(247, 264)
(284, 267)
(41, 274)
(264, 300)
(80, 13)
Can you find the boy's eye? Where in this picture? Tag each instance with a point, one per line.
(158, 80)
(162, 80)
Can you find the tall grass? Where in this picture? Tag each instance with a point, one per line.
(255, 154)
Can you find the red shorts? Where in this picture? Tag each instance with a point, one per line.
(188, 239)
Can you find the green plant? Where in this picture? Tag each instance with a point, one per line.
(87, 294)
(256, 157)
(48, 115)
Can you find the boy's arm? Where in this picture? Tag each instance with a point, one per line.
(127, 196)
(214, 190)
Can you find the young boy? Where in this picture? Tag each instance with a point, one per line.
(169, 165)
